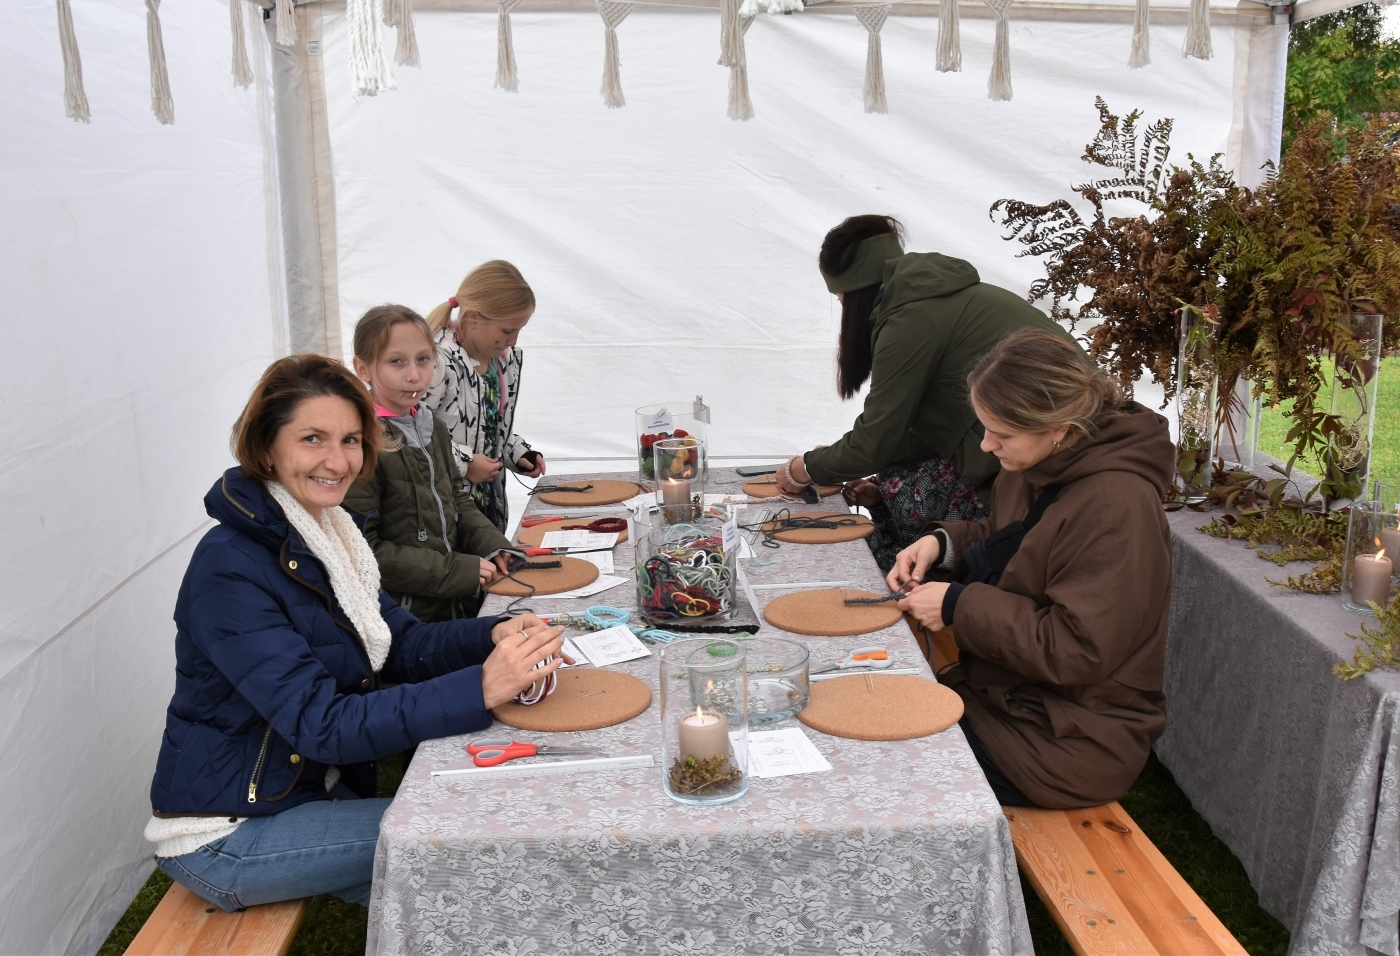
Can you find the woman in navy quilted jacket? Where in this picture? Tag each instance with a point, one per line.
(264, 788)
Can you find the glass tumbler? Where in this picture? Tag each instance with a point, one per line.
(704, 721)
(1370, 563)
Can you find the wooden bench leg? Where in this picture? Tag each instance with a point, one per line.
(183, 924)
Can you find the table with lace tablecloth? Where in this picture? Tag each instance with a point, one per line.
(899, 848)
(1296, 770)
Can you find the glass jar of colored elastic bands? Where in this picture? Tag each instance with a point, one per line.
(684, 574)
(689, 419)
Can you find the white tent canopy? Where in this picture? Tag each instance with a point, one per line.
(155, 270)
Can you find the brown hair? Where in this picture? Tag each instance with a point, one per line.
(373, 330)
(853, 351)
(495, 289)
(1037, 381)
(279, 393)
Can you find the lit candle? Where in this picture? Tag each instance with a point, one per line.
(675, 492)
(704, 734)
(1370, 578)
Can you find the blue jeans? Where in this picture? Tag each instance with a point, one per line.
(322, 847)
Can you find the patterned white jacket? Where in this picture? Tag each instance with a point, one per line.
(456, 397)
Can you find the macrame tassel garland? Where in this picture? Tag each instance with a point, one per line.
(730, 32)
(740, 106)
(507, 76)
(1198, 31)
(752, 8)
(242, 73)
(162, 103)
(613, 12)
(369, 68)
(873, 16)
(399, 15)
(286, 23)
(999, 83)
(1142, 37)
(949, 38)
(75, 103)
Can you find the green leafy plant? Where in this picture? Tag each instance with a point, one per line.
(1379, 646)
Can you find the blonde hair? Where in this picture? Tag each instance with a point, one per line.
(1037, 381)
(495, 289)
(375, 326)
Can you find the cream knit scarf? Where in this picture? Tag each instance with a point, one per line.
(352, 567)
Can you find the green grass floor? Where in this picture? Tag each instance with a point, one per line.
(333, 928)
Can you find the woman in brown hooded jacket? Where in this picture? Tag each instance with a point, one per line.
(1060, 598)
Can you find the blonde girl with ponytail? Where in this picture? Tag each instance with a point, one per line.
(477, 383)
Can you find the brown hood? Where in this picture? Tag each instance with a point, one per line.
(1136, 440)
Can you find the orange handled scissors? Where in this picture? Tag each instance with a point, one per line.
(862, 658)
(488, 753)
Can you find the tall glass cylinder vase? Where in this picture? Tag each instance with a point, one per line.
(1237, 425)
(679, 465)
(1196, 386)
(663, 420)
(1355, 391)
(686, 577)
(704, 721)
(1372, 531)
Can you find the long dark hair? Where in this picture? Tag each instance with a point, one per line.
(853, 351)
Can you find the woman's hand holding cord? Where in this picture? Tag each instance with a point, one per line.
(522, 643)
(911, 564)
(925, 603)
(792, 476)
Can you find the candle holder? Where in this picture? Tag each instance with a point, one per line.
(1369, 565)
(704, 721)
(685, 577)
(668, 420)
(778, 679)
(679, 464)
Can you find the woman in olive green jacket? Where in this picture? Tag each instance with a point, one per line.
(435, 549)
(914, 324)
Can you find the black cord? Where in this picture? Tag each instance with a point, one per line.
(884, 600)
(785, 520)
(539, 489)
(522, 565)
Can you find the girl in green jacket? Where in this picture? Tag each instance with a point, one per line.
(436, 551)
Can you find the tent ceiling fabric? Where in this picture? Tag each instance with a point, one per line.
(673, 252)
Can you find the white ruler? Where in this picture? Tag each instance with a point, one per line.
(514, 768)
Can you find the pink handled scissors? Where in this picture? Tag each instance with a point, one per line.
(489, 753)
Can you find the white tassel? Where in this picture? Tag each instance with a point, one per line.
(242, 73)
(949, 39)
(873, 16)
(730, 32)
(752, 8)
(369, 68)
(999, 83)
(399, 15)
(507, 75)
(75, 103)
(286, 23)
(1142, 37)
(162, 103)
(613, 12)
(1198, 31)
(740, 106)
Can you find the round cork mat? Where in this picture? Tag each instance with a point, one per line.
(585, 699)
(603, 492)
(532, 536)
(881, 707)
(572, 573)
(824, 613)
(853, 528)
(767, 487)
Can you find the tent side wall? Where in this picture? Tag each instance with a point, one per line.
(142, 299)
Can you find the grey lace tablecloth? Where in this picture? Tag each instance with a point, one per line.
(899, 849)
(1296, 770)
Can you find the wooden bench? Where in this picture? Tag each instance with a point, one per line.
(182, 924)
(1108, 887)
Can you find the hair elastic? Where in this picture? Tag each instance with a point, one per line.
(452, 302)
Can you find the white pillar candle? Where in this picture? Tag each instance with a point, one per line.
(1370, 579)
(704, 735)
(675, 492)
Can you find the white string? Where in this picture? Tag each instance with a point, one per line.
(872, 16)
(369, 68)
(507, 74)
(1141, 54)
(740, 105)
(1198, 42)
(286, 23)
(399, 15)
(730, 33)
(75, 103)
(613, 12)
(949, 37)
(162, 103)
(999, 82)
(242, 73)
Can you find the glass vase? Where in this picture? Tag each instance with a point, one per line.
(686, 577)
(1196, 387)
(1237, 426)
(679, 466)
(665, 420)
(704, 721)
(1372, 531)
(1355, 390)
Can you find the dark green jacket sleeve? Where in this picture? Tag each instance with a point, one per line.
(909, 347)
(409, 569)
(475, 532)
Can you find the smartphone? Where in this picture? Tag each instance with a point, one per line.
(749, 471)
